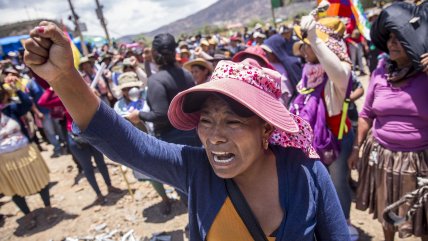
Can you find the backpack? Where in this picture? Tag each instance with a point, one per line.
(309, 105)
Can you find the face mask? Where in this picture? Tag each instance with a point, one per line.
(134, 94)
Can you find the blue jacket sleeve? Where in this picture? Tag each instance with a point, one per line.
(23, 107)
(331, 222)
(123, 143)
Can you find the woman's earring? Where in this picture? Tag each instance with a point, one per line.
(265, 144)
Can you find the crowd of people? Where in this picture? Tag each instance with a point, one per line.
(257, 131)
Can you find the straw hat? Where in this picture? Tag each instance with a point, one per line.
(204, 42)
(199, 61)
(326, 28)
(84, 59)
(330, 30)
(296, 48)
(129, 80)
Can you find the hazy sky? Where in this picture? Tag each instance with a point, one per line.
(123, 16)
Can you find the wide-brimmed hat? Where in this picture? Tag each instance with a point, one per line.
(256, 52)
(212, 41)
(205, 42)
(254, 87)
(258, 26)
(236, 38)
(296, 48)
(104, 56)
(330, 30)
(10, 70)
(184, 51)
(183, 44)
(285, 29)
(199, 61)
(219, 56)
(129, 80)
(84, 59)
(329, 27)
(259, 35)
(127, 62)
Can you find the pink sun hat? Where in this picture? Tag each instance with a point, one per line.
(254, 87)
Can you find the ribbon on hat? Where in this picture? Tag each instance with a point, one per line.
(261, 78)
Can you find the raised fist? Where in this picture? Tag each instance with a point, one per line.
(48, 52)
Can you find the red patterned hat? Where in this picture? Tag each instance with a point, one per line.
(256, 88)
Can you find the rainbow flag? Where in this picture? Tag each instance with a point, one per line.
(352, 9)
(363, 23)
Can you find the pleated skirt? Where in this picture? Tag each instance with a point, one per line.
(23, 172)
(384, 177)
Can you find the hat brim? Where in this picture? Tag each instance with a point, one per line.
(258, 101)
(296, 48)
(10, 71)
(130, 85)
(323, 36)
(207, 65)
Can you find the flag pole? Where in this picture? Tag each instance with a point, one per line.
(273, 14)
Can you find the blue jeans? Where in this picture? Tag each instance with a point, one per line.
(84, 154)
(339, 172)
(49, 129)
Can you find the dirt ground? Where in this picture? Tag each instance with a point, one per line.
(77, 218)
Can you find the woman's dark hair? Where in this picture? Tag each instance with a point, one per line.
(194, 102)
(164, 60)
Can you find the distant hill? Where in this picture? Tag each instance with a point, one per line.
(21, 28)
(226, 12)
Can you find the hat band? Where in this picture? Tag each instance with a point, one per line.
(249, 74)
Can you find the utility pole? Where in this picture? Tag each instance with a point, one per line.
(100, 16)
(75, 20)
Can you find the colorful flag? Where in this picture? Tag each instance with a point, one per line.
(74, 49)
(352, 9)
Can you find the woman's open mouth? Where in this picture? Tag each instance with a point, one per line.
(223, 157)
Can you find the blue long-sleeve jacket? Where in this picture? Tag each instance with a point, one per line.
(307, 194)
(16, 110)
